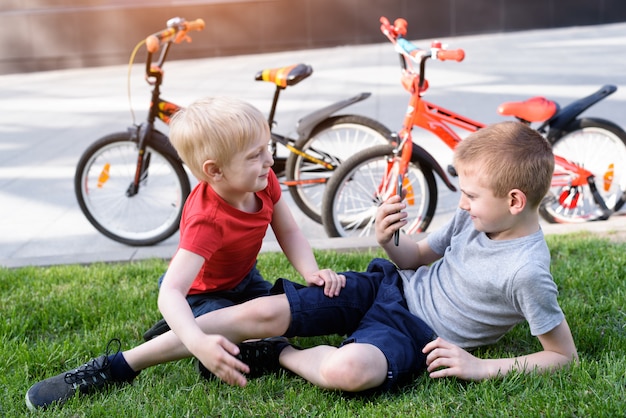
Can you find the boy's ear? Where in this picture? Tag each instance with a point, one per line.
(517, 201)
(212, 170)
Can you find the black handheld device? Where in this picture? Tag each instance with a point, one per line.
(396, 235)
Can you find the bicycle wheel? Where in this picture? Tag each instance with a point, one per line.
(103, 176)
(333, 141)
(353, 194)
(600, 147)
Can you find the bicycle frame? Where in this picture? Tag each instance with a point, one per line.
(438, 120)
(163, 110)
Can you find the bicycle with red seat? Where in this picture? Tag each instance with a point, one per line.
(589, 181)
(132, 185)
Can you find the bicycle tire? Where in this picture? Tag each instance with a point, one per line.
(600, 147)
(352, 195)
(333, 140)
(150, 216)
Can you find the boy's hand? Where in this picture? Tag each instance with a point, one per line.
(389, 218)
(332, 282)
(446, 359)
(217, 354)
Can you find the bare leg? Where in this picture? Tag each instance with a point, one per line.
(259, 318)
(352, 368)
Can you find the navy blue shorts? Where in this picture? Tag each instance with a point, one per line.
(371, 309)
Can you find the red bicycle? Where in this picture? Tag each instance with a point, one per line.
(589, 181)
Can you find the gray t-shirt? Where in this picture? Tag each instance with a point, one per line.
(482, 288)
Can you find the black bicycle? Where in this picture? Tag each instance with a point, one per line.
(132, 185)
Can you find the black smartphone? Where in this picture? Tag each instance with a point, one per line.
(396, 235)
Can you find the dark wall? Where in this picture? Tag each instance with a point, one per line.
(38, 35)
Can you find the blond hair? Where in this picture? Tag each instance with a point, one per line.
(215, 128)
(508, 155)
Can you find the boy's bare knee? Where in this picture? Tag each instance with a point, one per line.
(271, 313)
(341, 376)
(350, 372)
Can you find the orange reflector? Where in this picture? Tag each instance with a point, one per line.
(409, 197)
(608, 177)
(104, 175)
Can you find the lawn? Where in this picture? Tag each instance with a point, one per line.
(56, 318)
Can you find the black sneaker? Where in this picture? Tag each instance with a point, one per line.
(261, 356)
(157, 329)
(91, 377)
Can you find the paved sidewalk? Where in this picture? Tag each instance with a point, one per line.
(48, 119)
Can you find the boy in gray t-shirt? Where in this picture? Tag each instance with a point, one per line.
(484, 287)
(462, 287)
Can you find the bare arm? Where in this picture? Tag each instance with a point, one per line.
(299, 253)
(173, 291)
(408, 254)
(446, 359)
(173, 305)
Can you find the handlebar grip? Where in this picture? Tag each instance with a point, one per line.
(197, 24)
(385, 27)
(450, 54)
(177, 32)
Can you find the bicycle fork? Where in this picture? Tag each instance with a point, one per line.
(141, 133)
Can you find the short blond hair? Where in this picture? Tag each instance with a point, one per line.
(508, 155)
(215, 128)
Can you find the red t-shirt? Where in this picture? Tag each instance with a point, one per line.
(227, 238)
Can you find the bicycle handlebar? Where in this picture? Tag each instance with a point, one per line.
(396, 34)
(176, 32)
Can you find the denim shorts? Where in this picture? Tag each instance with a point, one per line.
(371, 309)
(252, 286)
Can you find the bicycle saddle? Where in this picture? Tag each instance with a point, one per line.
(285, 76)
(535, 109)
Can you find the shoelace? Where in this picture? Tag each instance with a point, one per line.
(93, 369)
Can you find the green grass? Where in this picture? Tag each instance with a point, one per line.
(56, 318)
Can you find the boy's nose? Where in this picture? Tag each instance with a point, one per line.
(464, 203)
